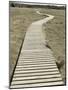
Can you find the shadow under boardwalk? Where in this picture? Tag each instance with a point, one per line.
(36, 65)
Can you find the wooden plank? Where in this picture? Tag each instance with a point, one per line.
(36, 74)
(34, 63)
(37, 77)
(25, 65)
(32, 71)
(37, 84)
(34, 68)
(36, 81)
(37, 67)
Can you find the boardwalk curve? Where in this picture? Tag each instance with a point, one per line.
(36, 65)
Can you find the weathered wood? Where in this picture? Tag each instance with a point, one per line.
(36, 65)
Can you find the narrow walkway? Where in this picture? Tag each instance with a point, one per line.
(36, 65)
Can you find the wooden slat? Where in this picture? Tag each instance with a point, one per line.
(38, 84)
(37, 77)
(36, 74)
(32, 68)
(30, 65)
(36, 81)
(39, 70)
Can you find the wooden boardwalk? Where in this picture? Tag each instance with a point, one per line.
(36, 65)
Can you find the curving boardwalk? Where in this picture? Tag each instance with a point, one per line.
(36, 65)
